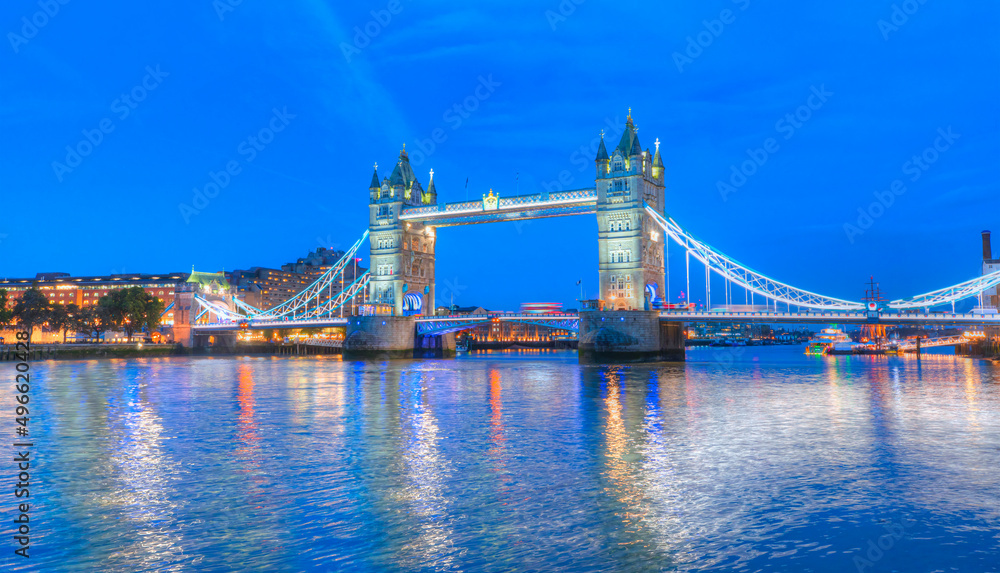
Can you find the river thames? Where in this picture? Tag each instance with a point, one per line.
(755, 459)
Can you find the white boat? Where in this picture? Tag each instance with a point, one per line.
(823, 342)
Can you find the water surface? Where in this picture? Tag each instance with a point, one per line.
(759, 459)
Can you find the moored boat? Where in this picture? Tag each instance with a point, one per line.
(823, 342)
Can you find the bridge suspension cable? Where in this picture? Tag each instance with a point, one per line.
(218, 310)
(757, 283)
(747, 278)
(951, 294)
(315, 301)
(310, 302)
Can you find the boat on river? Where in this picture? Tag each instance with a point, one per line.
(824, 342)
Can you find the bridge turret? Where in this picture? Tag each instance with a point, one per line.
(403, 182)
(430, 197)
(375, 188)
(603, 159)
(658, 164)
(629, 145)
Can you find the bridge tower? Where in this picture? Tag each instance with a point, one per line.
(631, 259)
(402, 254)
(630, 243)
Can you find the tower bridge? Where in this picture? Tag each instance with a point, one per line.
(626, 321)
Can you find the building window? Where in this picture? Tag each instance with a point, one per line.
(620, 255)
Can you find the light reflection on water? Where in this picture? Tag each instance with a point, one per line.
(739, 460)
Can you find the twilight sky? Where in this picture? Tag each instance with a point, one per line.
(836, 101)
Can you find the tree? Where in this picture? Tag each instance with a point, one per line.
(93, 321)
(64, 318)
(6, 314)
(31, 310)
(153, 313)
(130, 310)
(110, 311)
(58, 319)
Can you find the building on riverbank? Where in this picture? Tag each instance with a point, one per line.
(86, 291)
(63, 289)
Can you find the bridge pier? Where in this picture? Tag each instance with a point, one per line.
(629, 336)
(434, 346)
(380, 337)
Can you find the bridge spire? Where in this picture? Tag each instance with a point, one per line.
(629, 145)
(602, 151)
(657, 162)
(431, 195)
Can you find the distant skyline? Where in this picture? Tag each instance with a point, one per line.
(818, 144)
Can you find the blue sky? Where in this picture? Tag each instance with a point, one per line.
(211, 75)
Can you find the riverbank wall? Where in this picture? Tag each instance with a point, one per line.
(10, 352)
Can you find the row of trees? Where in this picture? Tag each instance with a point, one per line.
(127, 310)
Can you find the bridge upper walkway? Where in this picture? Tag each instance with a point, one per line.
(493, 208)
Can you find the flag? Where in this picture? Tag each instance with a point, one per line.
(578, 282)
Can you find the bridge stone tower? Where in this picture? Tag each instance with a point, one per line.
(402, 253)
(630, 243)
(631, 257)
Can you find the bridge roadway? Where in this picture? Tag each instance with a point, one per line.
(902, 318)
(563, 321)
